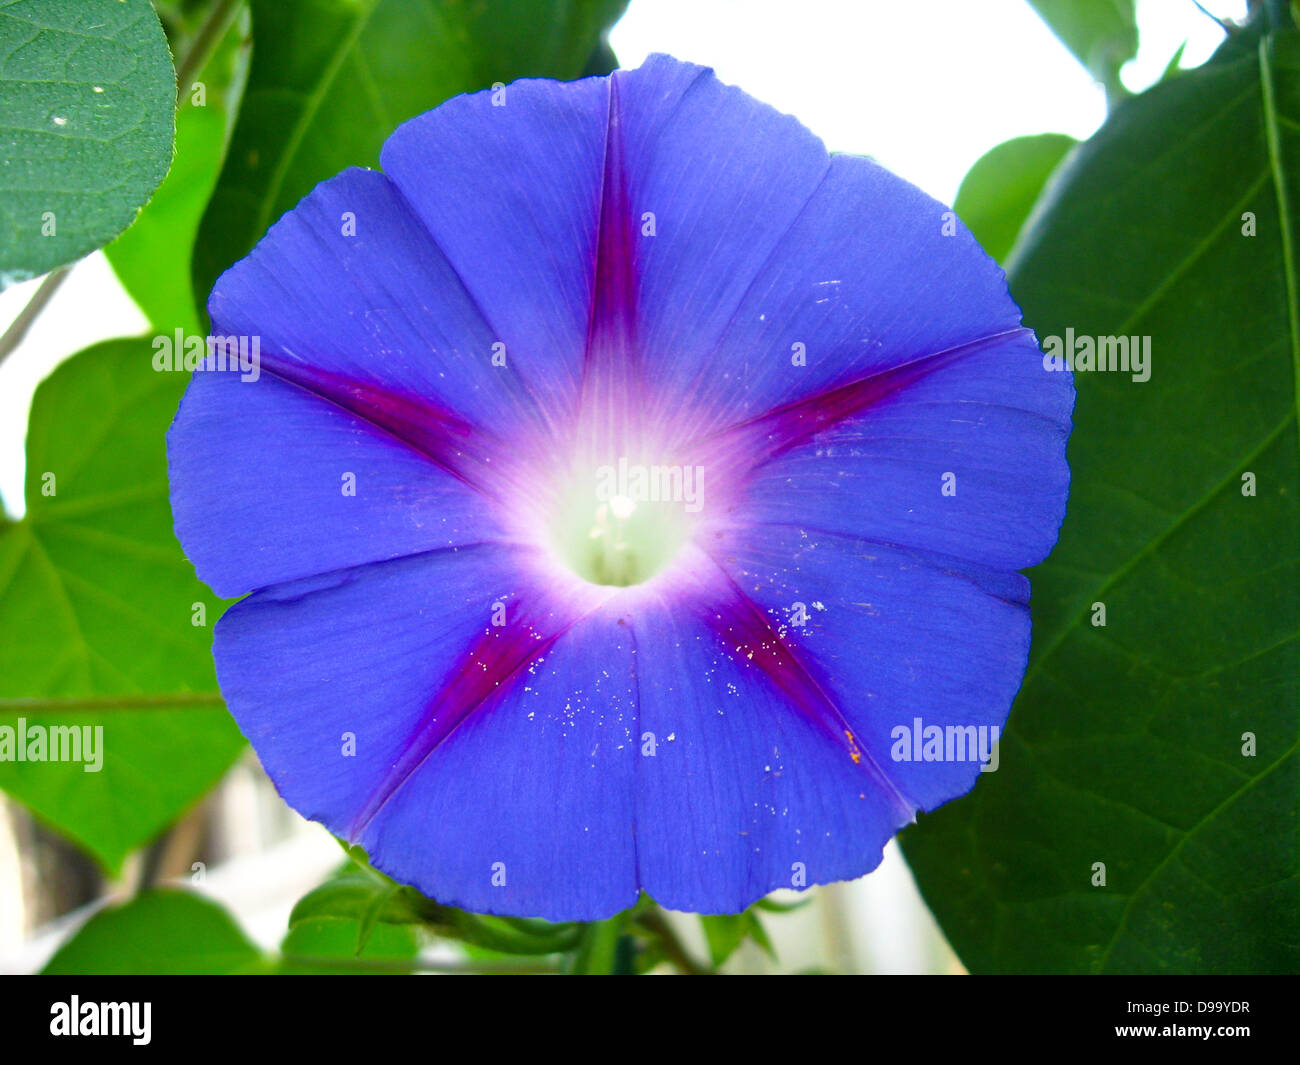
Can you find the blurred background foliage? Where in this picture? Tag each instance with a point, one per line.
(1176, 220)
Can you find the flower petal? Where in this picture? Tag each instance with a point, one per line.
(351, 299)
(508, 182)
(871, 276)
(966, 460)
(754, 784)
(474, 743)
(725, 177)
(259, 474)
(528, 808)
(893, 636)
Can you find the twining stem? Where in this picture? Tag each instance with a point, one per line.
(13, 336)
(205, 41)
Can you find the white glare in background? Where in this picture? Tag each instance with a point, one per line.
(1163, 25)
(924, 88)
(90, 306)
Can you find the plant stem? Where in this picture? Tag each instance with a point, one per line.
(112, 702)
(13, 336)
(205, 40)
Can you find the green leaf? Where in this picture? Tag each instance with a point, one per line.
(368, 898)
(337, 945)
(359, 897)
(87, 95)
(726, 932)
(770, 905)
(353, 914)
(97, 605)
(759, 935)
(1000, 190)
(1127, 745)
(331, 79)
(1173, 68)
(1102, 34)
(166, 933)
(371, 916)
(152, 258)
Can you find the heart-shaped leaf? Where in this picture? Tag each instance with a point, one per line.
(1000, 190)
(87, 95)
(102, 621)
(1145, 815)
(162, 933)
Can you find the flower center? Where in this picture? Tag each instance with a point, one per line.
(625, 524)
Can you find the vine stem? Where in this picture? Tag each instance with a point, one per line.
(205, 41)
(112, 702)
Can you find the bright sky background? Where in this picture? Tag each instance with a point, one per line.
(924, 87)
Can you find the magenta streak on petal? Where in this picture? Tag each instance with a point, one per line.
(746, 446)
(441, 436)
(613, 306)
(748, 635)
(493, 661)
(609, 400)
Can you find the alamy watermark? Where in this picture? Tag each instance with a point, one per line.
(77, 1018)
(214, 354)
(632, 483)
(53, 743)
(920, 742)
(1086, 354)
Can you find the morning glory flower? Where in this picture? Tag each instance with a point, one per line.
(627, 488)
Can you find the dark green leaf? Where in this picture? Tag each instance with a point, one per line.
(1000, 190)
(98, 608)
(87, 95)
(164, 933)
(330, 79)
(1127, 745)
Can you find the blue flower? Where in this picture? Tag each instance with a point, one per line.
(623, 477)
